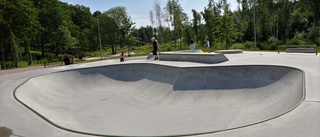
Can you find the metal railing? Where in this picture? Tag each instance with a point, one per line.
(53, 64)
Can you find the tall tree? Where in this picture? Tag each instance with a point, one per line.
(62, 40)
(285, 9)
(226, 28)
(177, 17)
(158, 13)
(51, 16)
(196, 22)
(123, 22)
(109, 31)
(152, 20)
(188, 34)
(83, 24)
(19, 18)
(211, 13)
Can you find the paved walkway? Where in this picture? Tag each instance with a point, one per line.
(17, 70)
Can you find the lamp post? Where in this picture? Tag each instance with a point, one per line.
(99, 35)
(254, 18)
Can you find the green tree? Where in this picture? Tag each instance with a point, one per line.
(109, 31)
(145, 34)
(177, 18)
(226, 28)
(62, 40)
(285, 9)
(159, 15)
(123, 22)
(188, 35)
(211, 13)
(84, 23)
(196, 22)
(14, 49)
(19, 18)
(52, 14)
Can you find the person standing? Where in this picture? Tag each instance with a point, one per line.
(155, 48)
(208, 46)
(192, 45)
(122, 57)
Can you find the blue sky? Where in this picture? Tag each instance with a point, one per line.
(139, 9)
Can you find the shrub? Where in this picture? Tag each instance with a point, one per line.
(238, 46)
(271, 44)
(248, 45)
(218, 46)
(296, 42)
(318, 42)
(7, 65)
(168, 49)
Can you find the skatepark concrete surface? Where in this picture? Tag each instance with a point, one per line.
(258, 94)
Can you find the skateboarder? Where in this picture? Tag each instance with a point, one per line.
(155, 48)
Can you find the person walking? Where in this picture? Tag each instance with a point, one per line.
(192, 46)
(208, 46)
(155, 48)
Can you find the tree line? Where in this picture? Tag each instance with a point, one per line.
(48, 29)
(269, 22)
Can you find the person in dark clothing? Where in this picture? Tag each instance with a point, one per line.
(155, 48)
(122, 57)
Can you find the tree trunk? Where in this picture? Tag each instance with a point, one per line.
(27, 49)
(4, 62)
(113, 49)
(42, 47)
(14, 49)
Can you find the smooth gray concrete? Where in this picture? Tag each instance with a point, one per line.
(302, 121)
(210, 58)
(156, 100)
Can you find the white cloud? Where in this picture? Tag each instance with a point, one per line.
(141, 22)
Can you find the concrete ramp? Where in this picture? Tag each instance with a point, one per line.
(156, 100)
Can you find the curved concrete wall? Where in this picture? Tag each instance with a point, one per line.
(156, 100)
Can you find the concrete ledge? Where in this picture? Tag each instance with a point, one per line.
(150, 56)
(193, 57)
(301, 50)
(229, 51)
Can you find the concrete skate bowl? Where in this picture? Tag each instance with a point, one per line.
(157, 100)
